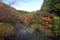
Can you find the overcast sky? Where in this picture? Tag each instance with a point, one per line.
(26, 5)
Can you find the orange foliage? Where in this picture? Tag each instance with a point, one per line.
(46, 21)
(29, 20)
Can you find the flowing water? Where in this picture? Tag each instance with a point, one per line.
(26, 33)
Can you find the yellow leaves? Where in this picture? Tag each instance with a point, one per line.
(56, 18)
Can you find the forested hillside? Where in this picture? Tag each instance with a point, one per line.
(45, 21)
(23, 12)
(52, 6)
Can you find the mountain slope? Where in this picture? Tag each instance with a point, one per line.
(51, 6)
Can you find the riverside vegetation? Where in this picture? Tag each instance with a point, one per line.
(44, 22)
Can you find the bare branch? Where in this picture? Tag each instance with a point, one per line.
(12, 2)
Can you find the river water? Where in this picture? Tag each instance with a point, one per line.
(26, 33)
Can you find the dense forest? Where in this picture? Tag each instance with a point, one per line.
(45, 21)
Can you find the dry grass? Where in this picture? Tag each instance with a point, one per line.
(6, 29)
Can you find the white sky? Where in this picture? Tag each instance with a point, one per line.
(26, 5)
